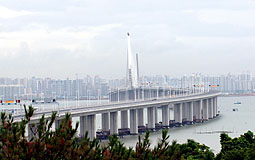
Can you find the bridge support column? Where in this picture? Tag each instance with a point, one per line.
(178, 114)
(165, 116)
(32, 130)
(200, 105)
(214, 107)
(210, 108)
(91, 126)
(105, 121)
(57, 123)
(88, 124)
(189, 112)
(184, 113)
(133, 121)
(140, 117)
(205, 109)
(197, 105)
(113, 123)
(151, 117)
(124, 119)
(156, 115)
(195, 108)
(83, 125)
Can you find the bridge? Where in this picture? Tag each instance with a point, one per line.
(188, 108)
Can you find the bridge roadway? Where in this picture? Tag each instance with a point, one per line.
(187, 109)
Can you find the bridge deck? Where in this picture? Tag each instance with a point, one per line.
(96, 109)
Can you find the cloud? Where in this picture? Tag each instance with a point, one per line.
(72, 39)
(6, 13)
(232, 17)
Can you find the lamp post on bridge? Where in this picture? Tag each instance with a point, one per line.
(203, 87)
(118, 94)
(157, 91)
(164, 94)
(98, 96)
(65, 99)
(110, 96)
(143, 92)
(54, 97)
(135, 93)
(126, 96)
(77, 90)
(87, 97)
(150, 91)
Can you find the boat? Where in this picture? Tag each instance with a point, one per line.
(237, 103)
(235, 109)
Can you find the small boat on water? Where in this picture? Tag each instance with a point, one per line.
(237, 103)
(235, 109)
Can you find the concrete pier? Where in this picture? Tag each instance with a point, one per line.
(151, 117)
(83, 122)
(91, 126)
(113, 123)
(156, 114)
(200, 109)
(105, 122)
(165, 116)
(190, 112)
(178, 113)
(140, 117)
(216, 104)
(133, 121)
(205, 109)
(124, 119)
(184, 112)
(210, 108)
(197, 106)
(214, 107)
(88, 124)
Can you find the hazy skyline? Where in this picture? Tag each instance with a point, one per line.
(53, 38)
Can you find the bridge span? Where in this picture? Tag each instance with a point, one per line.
(188, 109)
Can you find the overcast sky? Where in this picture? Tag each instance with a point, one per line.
(59, 38)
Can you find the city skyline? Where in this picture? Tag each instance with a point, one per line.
(96, 86)
(81, 76)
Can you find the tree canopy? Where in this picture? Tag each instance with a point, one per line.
(63, 143)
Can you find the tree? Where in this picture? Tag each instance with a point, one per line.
(63, 143)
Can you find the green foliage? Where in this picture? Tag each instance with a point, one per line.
(64, 144)
(239, 148)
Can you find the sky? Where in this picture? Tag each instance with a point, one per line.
(62, 38)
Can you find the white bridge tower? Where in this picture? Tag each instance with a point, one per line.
(132, 67)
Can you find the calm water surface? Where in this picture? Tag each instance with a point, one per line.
(237, 122)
